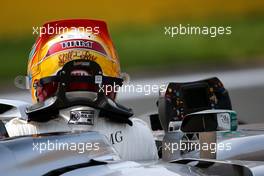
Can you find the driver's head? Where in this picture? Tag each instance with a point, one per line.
(67, 40)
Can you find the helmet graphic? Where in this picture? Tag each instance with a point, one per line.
(62, 44)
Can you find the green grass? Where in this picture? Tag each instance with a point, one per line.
(148, 47)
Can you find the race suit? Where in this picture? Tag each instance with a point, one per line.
(133, 143)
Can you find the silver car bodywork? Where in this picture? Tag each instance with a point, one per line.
(20, 155)
(20, 158)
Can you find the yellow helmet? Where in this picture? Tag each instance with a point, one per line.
(61, 42)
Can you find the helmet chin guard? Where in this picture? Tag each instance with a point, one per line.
(62, 98)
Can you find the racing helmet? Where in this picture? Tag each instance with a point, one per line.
(72, 63)
(60, 42)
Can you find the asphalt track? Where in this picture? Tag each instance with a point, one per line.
(246, 89)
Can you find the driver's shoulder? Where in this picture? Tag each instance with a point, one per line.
(18, 127)
(139, 122)
(16, 121)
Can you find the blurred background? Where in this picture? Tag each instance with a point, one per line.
(137, 30)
